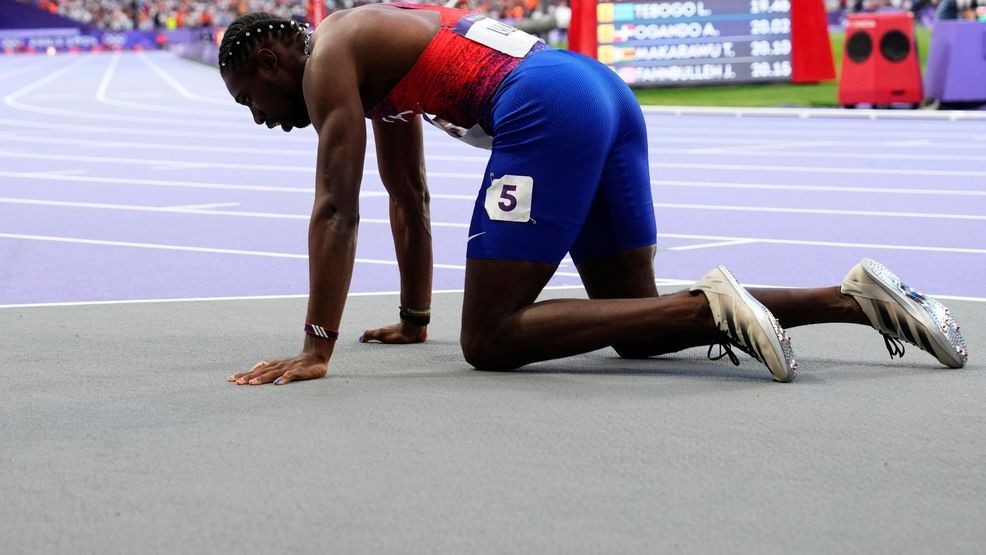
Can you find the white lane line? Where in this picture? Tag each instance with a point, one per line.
(157, 147)
(659, 281)
(141, 94)
(717, 207)
(207, 206)
(68, 175)
(49, 175)
(250, 134)
(186, 248)
(156, 162)
(249, 298)
(816, 169)
(173, 83)
(776, 152)
(729, 143)
(306, 169)
(821, 188)
(752, 150)
(836, 244)
(60, 176)
(821, 212)
(213, 250)
(11, 99)
(743, 148)
(194, 212)
(17, 71)
(181, 164)
(187, 164)
(805, 113)
(56, 96)
(104, 83)
(757, 130)
(458, 225)
(713, 245)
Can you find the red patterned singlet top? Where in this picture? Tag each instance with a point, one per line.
(457, 75)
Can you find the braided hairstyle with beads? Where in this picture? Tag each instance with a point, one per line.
(248, 31)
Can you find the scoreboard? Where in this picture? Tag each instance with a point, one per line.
(663, 42)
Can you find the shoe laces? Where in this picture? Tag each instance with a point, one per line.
(894, 346)
(726, 344)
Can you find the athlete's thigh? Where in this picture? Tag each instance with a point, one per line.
(624, 275)
(495, 289)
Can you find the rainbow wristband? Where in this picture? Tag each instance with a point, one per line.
(414, 316)
(319, 331)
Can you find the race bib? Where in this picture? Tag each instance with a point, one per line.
(509, 198)
(496, 35)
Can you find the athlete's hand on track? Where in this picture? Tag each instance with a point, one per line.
(302, 367)
(398, 334)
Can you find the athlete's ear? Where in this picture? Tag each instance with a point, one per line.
(266, 62)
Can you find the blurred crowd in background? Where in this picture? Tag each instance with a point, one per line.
(146, 15)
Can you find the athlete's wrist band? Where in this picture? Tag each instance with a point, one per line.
(415, 316)
(319, 331)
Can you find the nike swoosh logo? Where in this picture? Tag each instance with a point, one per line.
(471, 237)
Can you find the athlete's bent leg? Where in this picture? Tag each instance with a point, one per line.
(504, 328)
(630, 274)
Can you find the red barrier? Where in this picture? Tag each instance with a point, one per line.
(880, 63)
(811, 53)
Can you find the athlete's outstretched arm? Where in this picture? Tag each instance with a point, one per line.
(331, 88)
(401, 161)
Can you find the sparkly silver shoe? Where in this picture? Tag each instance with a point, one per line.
(746, 324)
(901, 313)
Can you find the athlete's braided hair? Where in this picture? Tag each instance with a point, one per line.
(248, 31)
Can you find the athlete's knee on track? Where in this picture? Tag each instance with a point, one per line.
(482, 352)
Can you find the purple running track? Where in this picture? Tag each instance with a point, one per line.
(133, 176)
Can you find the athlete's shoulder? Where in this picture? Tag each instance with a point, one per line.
(372, 25)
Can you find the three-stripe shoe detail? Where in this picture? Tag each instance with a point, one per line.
(899, 312)
(744, 323)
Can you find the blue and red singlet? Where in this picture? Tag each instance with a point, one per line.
(569, 170)
(459, 71)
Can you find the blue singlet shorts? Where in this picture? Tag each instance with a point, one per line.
(569, 170)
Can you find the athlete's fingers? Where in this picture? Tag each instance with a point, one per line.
(285, 378)
(266, 377)
(310, 372)
(239, 375)
(258, 370)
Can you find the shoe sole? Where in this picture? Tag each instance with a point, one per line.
(943, 331)
(768, 324)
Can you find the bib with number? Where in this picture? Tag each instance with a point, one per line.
(508, 199)
(496, 35)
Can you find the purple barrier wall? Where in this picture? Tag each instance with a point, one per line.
(956, 70)
(14, 15)
(34, 40)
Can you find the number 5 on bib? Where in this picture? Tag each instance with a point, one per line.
(509, 198)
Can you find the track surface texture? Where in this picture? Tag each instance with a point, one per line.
(152, 241)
